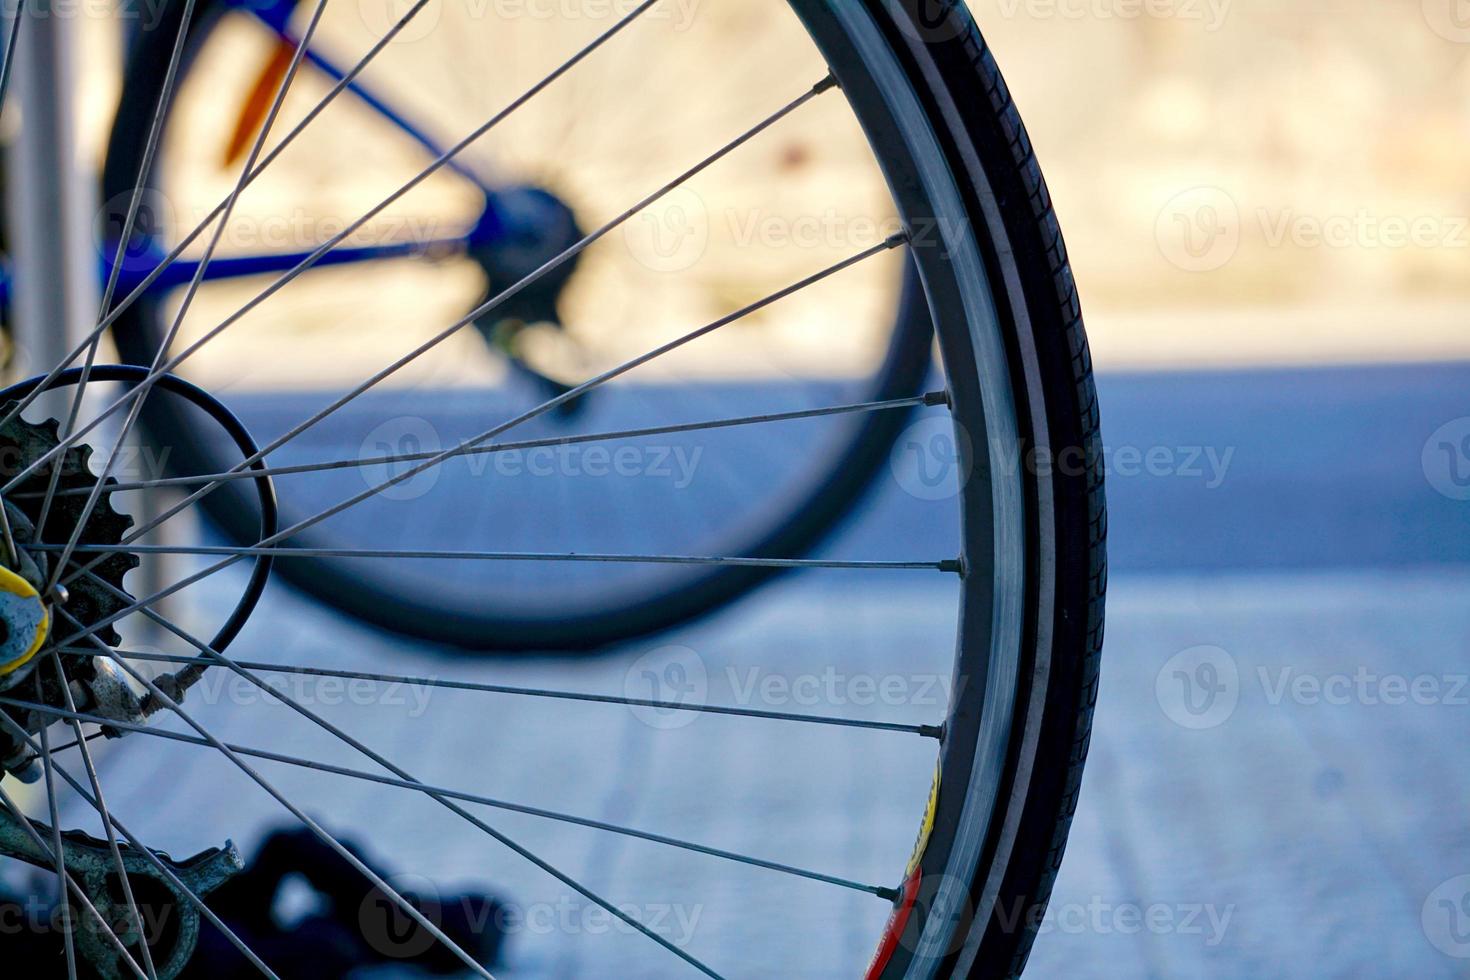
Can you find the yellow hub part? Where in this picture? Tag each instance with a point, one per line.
(27, 619)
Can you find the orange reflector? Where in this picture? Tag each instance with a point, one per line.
(258, 102)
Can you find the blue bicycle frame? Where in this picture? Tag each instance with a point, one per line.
(497, 224)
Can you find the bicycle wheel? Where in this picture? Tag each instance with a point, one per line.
(771, 508)
(1020, 576)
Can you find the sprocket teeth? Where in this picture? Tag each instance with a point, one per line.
(106, 526)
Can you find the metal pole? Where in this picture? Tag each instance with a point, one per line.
(51, 202)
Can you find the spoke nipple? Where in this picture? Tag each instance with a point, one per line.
(932, 731)
(825, 85)
(896, 241)
(955, 565)
(936, 398)
(889, 894)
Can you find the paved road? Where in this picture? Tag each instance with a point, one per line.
(1298, 824)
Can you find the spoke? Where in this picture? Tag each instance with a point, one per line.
(943, 565)
(492, 303)
(825, 85)
(148, 854)
(395, 118)
(140, 394)
(401, 773)
(427, 789)
(931, 399)
(135, 202)
(8, 66)
(337, 239)
(7, 533)
(66, 879)
(100, 804)
(469, 444)
(56, 846)
(265, 784)
(931, 731)
(203, 225)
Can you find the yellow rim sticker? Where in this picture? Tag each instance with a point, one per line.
(927, 828)
(27, 618)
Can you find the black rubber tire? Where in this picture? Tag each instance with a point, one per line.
(847, 476)
(1080, 507)
(991, 160)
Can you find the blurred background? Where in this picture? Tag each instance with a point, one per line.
(1269, 223)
